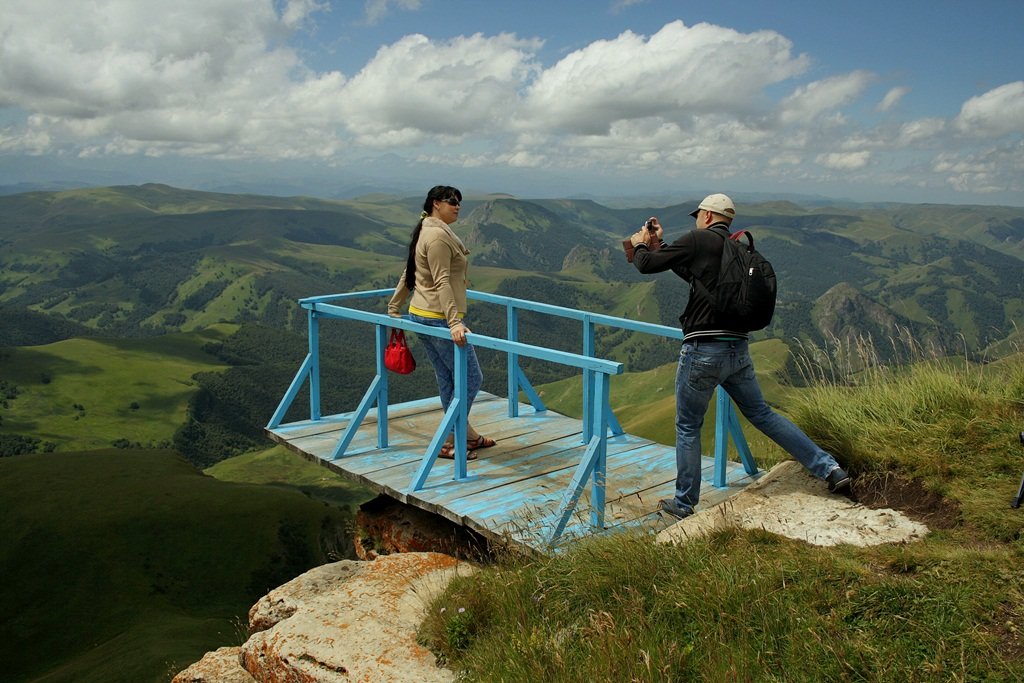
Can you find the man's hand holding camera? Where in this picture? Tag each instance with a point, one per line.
(649, 235)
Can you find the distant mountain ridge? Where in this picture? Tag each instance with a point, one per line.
(150, 259)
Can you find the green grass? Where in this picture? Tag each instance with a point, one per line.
(278, 466)
(752, 606)
(79, 393)
(125, 565)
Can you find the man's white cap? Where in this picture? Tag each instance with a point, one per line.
(717, 203)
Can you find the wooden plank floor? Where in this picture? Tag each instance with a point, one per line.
(514, 489)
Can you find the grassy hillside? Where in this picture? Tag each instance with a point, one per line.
(129, 565)
(937, 439)
(153, 259)
(280, 467)
(90, 393)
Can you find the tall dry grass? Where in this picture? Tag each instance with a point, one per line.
(751, 606)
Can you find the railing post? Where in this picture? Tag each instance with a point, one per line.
(461, 420)
(588, 376)
(512, 329)
(722, 408)
(382, 396)
(314, 365)
(597, 490)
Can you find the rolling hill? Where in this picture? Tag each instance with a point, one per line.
(153, 261)
(123, 565)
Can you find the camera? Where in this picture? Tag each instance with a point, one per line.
(650, 226)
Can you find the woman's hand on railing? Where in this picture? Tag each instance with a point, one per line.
(459, 334)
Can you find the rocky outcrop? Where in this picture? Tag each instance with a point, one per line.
(385, 526)
(220, 666)
(788, 501)
(346, 621)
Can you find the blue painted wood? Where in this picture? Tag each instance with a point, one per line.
(727, 424)
(572, 494)
(531, 394)
(588, 376)
(291, 393)
(381, 338)
(575, 314)
(741, 443)
(430, 457)
(600, 466)
(314, 368)
(369, 398)
(512, 366)
(517, 487)
(552, 355)
(722, 409)
(613, 422)
(347, 296)
(542, 463)
(461, 430)
(591, 466)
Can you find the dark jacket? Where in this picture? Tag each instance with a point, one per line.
(697, 254)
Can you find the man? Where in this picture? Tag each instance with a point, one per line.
(713, 354)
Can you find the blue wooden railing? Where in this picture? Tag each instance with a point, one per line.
(598, 417)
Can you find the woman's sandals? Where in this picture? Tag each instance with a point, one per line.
(448, 450)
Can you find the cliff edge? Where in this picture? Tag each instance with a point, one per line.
(346, 621)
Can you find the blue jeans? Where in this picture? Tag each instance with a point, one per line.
(441, 353)
(703, 365)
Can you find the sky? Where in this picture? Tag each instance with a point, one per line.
(904, 100)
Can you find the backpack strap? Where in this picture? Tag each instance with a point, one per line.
(721, 229)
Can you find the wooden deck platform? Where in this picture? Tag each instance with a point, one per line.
(515, 488)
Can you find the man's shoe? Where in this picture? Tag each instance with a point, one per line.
(673, 508)
(838, 480)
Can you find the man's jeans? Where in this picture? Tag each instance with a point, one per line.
(703, 365)
(441, 353)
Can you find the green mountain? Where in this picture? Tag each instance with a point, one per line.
(155, 261)
(152, 259)
(124, 565)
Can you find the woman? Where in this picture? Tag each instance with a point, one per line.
(435, 273)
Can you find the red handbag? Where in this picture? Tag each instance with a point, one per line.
(397, 356)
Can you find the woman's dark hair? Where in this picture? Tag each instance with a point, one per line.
(438, 193)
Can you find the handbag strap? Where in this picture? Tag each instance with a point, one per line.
(397, 336)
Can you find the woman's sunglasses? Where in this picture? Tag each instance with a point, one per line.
(452, 201)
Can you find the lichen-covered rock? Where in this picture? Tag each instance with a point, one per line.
(788, 501)
(220, 666)
(347, 621)
(351, 621)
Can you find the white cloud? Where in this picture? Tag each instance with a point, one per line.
(999, 168)
(844, 161)
(675, 75)
(297, 12)
(158, 77)
(892, 98)
(823, 97)
(463, 86)
(921, 130)
(620, 5)
(219, 79)
(378, 9)
(997, 112)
